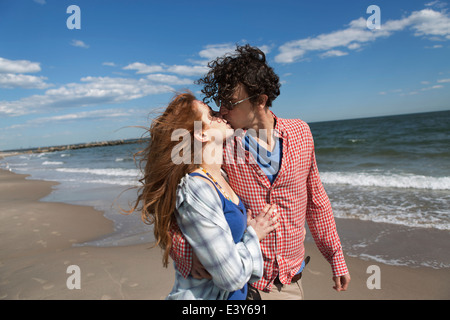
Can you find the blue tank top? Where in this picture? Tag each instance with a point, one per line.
(236, 217)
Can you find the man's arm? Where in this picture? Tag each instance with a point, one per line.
(180, 251)
(185, 259)
(319, 216)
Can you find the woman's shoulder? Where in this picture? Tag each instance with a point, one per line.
(197, 190)
(196, 199)
(198, 174)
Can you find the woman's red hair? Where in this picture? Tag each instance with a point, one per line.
(157, 195)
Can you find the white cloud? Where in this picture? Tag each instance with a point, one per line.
(184, 70)
(427, 22)
(352, 37)
(109, 64)
(213, 51)
(42, 2)
(334, 53)
(18, 66)
(265, 48)
(11, 74)
(436, 3)
(354, 46)
(143, 68)
(438, 86)
(427, 86)
(79, 43)
(11, 80)
(94, 114)
(188, 70)
(91, 91)
(97, 115)
(198, 68)
(168, 79)
(436, 46)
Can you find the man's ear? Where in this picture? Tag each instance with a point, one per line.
(262, 100)
(201, 135)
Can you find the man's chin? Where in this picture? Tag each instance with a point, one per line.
(234, 127)
(231, 126)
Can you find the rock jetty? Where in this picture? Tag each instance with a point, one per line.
(74, 146)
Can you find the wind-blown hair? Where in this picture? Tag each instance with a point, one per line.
(247, 66)
(157, 195)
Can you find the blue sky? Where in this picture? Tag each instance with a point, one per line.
(62, 86)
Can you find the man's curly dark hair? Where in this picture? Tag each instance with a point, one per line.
(247, 66)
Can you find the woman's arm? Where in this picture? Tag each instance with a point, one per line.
(230, 265)
(201, 220)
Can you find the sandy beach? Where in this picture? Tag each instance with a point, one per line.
(38, 246)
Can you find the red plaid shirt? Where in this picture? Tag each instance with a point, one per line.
(299, 196)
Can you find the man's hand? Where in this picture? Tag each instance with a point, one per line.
(197, 270)
(341, 283)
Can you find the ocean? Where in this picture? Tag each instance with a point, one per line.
(388, 180)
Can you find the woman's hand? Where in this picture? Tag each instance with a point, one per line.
(265, 222)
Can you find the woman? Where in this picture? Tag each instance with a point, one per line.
(193, 195)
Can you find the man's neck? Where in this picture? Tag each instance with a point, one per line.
(265, 122)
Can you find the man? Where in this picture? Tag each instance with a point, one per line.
(275, 164)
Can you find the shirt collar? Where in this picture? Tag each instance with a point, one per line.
(280, 129)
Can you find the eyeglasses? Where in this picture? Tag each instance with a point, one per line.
(230, 105)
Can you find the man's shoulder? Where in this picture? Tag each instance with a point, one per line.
(294, 122)
(296, 126)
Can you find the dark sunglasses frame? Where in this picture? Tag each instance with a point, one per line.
(230, 105)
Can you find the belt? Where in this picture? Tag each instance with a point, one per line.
(296, 277)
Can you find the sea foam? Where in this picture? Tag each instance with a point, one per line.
(386, 181)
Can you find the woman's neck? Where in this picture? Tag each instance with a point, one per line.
(213, 169)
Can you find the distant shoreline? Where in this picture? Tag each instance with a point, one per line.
(70, 147)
